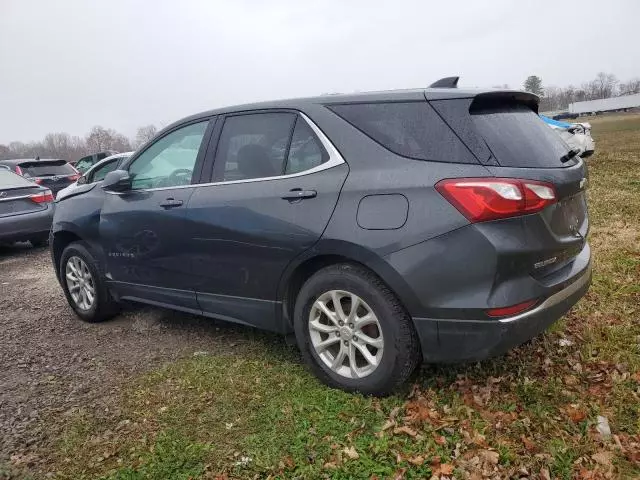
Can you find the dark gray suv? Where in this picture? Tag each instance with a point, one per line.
(383, 229)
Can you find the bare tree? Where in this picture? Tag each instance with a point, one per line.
(100, 139)
(630, 87)
(5, 152)
(145, 134)
(604, 85)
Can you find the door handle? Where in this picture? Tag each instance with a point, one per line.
(171, 203)
(299, 194)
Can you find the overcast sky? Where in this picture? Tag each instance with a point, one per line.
(68, 65)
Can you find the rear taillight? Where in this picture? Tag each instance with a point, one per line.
(511, 310)
(73, 178)
(18, 170)
(43, 197)
(483, 199)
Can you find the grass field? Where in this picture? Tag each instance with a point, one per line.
(534, 413)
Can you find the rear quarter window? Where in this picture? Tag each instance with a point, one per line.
(410, 129)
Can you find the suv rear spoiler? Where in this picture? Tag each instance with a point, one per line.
(33, 163)
(488, 100)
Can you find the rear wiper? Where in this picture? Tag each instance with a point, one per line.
(569, 155)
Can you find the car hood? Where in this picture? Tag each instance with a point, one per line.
(73, 190)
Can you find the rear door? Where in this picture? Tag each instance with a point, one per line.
(275, 183)
(53, 174)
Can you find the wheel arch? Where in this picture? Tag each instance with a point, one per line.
(59, 241)
(330, 253)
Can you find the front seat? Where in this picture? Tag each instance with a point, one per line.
(254, 162)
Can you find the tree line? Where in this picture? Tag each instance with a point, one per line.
(605, 85)
(72, 147)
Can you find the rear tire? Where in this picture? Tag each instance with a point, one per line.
(39, 242)
(392, 347)
(84, 285)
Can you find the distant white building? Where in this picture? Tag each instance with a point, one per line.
(606, 104)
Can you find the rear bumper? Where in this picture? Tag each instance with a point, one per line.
(26, 226)
(450, 341)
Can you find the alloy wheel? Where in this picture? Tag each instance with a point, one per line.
(80, 283)
(346, 334)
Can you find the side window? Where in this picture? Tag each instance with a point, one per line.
(253, 146)
(84, 164)
(99, 173)
(169, 162)
(305, 152)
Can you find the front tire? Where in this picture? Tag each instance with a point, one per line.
(84, 286)
(353, 332)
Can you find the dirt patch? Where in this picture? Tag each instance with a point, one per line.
(53, 363)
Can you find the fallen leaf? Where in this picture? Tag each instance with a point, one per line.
(406, 430)
(330, 465)
(351, 453)
(603, 426)
(388, 424)
(440, 440)
(528, 444)
(417, 460)
(489, 456)
(575, 413)
(399, 475)
(603, 458)
(443, 469)
(544, 474)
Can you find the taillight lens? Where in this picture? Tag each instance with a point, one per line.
(73, 178)
(18, 170)
(483, 199)
(511, 310)
(43, 197)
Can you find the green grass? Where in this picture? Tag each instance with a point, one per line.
(259, 413)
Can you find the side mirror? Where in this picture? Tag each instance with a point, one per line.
(82, 180)
(117, 181)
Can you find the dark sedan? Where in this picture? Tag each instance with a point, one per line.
(51, 173)
(26, 210)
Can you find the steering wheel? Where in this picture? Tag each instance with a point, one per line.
(175, 177)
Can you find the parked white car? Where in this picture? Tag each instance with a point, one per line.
(96, 173)
(576, 135)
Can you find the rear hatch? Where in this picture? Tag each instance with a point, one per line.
(504, 132)
(53, 174)
(19, 196)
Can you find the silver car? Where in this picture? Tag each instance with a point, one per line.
(96, 173)
(26, 210)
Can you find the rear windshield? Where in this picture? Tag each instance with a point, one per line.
(517, 137)
(410, 129)
(47, 169)
(11, 180)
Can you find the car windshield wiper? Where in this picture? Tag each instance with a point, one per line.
(569, 155)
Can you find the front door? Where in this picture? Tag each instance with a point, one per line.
(144, 230)
(276, 181)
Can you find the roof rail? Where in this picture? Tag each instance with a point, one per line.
(446, 82)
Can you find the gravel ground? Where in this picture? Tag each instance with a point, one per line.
(52, 363)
